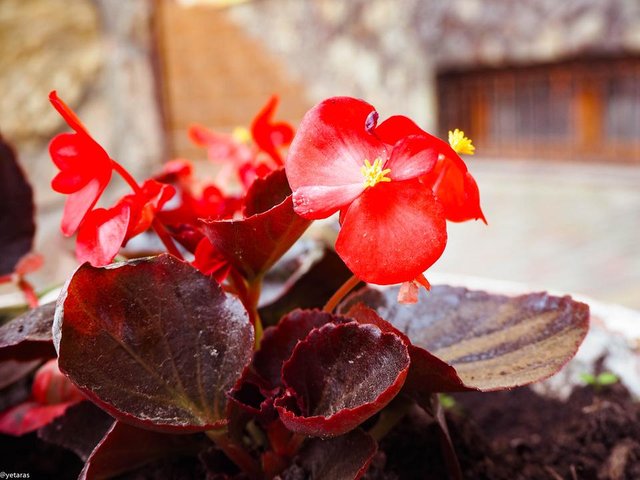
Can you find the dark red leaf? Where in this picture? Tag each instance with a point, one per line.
(492, 341)
(11, 371)
(339, 376)
(17, 227)
(28, 336)
(346, 457)
(153, 341)
(279, 341)
(427, 373)
(80, 429)
(252, 245)
(125, 448)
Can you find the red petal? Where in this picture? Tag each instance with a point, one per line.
(456, 189)
(329, 150)
(269, 136)
(78, 204)
(101, 235)
(51, 386)
(69, 115)
(210, 262)
(450, 180)
(80, 159)
(395, 128)
(315, 202)
(392, 233)
(29, 416)
(412, 157)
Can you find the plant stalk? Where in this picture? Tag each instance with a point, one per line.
(235, 453)
(335, 299)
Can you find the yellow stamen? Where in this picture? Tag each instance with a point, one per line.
(241, 135)
(374, 174)
(460, 143)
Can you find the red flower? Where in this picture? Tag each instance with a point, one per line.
(85, 168)
(450, 180)
(393, 227)
(104, 231)
(270, 136)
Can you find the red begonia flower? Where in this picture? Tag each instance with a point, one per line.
(85, 168)
(104, 231)
(393, 227)
(450, 180)
(101, 234)
(221, 147)
(269, 135)
(196, 200)
(211, 262)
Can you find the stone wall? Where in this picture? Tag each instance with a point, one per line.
(387, 51)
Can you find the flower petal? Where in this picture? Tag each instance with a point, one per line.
(101, 235)
(268, 135)
(315, 202)
(78, 204)
(330, 148)
(392, 233)
(412, 157)
(456, 189)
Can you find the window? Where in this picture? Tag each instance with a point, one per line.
(577, 110)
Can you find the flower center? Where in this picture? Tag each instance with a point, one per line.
(374, 174)
(460, 143)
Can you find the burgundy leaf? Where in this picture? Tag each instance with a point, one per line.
(153, 341)
(339, 376)
(124, 448)
(13, 370)
(17, 227)
(346, 457)
(80, 429)
(492, 341)
(253, 244)
(427, 373)
(278, 342)
(28, 336)
(265, 193)
(306, 289)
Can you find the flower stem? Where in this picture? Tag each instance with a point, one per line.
(390, 416)
(29, 292)
(157, 225)
(249, 294)
(235, 453)
(340, 293)
(126, 176)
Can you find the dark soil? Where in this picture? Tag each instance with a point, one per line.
(504, 435)
(520, 435)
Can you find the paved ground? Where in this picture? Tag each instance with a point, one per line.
(565, 227)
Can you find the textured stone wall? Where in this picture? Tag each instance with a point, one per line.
(388, 51)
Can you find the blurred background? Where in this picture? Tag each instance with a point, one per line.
(548, 90)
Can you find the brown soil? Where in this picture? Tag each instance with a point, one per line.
(504, 435)
(520, 435)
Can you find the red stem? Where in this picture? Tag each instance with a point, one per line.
(29, 293)
(340, 293)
